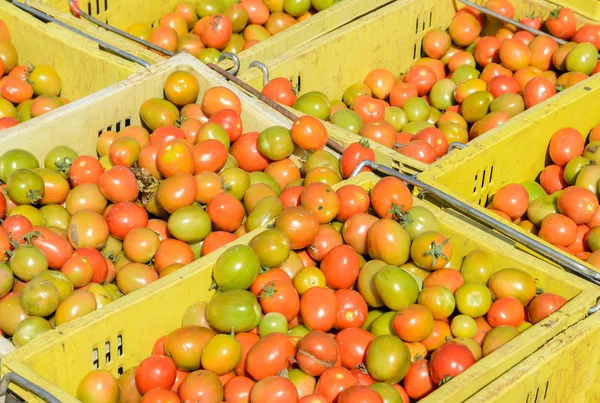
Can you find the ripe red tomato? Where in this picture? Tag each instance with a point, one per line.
(156, 371)
(562, 23)
(340, 267)
(319, 308)
(300, 224)
(353, 200)
(353, 344)
(334, 381)
(418, 382)
(280, 90)
(321, 200)
(274, 389)
(369, 109)
(269, 355)
(216, 31)
(435, 138)
(401, 92)
(537, 90)
(317, 352)
(531, 21)
(558, 230)
(118, 184)
(419, 150)
(226, 212)
(565, 144)
(552, 179)
(577, 203)
(280, 296)
(124, 217)
(449, 360)
(85, 169)
(543, 306)
(245, 151)
(421, 77)
(208, 155)
(309, 133)
(512, 199)
(389, 194)
(359, 394)
(355, 153)
(507, 311)
(353, 309)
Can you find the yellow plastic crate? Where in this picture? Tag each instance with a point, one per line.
(564, 370)
(123, 13)
(83, 67)
(587, 8)
(388, 38)
(123, 333)
(517, 152)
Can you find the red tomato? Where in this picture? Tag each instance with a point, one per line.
(359, 394)
(562, 23)
(291, 197)
(355, 153)
(552, 179)
(156, 371)
(269, 355)
(274, 389)
(57, 249)
(353, 344)
(401, 92)
(353, 309)
(317, 352)
(118, 184)
(390, 193)
(565, 144)
(124, 217)
(577, 203)
(353, 200)
(369, 109)
(340, 267)
(512, 199)
(319, 308)
(208, 155)
(280, 90)
(501, 85)
(229, 120)
(309, 133)
(216, 31)
(449, 360)
(588, 33)
(421, 77)
(238, 389)
(487, 50)
(558, 230)
(418, 382)
(543, 306)
(537, 90)
(507, 311)
(85, 169)
(514, 54)
(98, 263)
(435, 138)
(226, 212)
(280, 296)
(334, 381)
(245, 151)
(419, 150)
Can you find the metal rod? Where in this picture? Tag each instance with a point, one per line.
(262, 67)
(289, 115)
(456, 144)
(563, 260)
(29, 386)
(595, 308)
(103, 45)
(510, 21)
(74, 6)
(233, 57)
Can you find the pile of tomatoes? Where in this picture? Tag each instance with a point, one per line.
(213, 26)
(79, 231)
(562, 208)
(383, 307)
(467, 83)
(26, 91)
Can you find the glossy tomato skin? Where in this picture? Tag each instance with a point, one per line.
(319, 308)
(543, 305)
(274, 389)
(334, 381)
(155, 371)
(390, 192)
(449, 360)
(280, 90)
(354, 154)
(317, 351)
(98, 385)
(418, 382)
(269, 355)
(353, 344)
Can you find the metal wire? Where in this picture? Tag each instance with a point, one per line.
(29, 386)
(233, 57)
(103, 45)
(73, 5)
(262, 67)
(569, 264)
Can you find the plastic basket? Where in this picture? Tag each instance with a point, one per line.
(587, 8)
(123, 13)
(390, 38)
(83, 67)
(122, 334)
(517, 152)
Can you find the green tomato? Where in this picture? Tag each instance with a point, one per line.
(366, 285)
(348, 120)
(476, 106)
(397, 288)
(540, 208)
(372, 316)
(24, 110)
(6, 279)
(15, 159)
(464, 72)
(416, 109)
(211, 130)
(158, 112)
(418, 220)
(29, 329)
(382, 325)
(582, 58)
(510, 103)
(299, 331)
(463, 326)
(473, 299)
(209, 7)
(24, 186)
(396, 117)
(55, 216)
(321, 5)
(190, 224)
(276, 143)
(28, 261)
(209, 55)
(261, 177)
(236, 310)
(272, 247)
(387, 392)
(387, 359)
(236, 268)
(315, 104)
(572, 169)
(266, 210)
(59, 159)
(273, 322)
(236, 182)
(534, 190)
(416, 126)
(354, 91)
(441, 95)
(296, 8)
(322, 158)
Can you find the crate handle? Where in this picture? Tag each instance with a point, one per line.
(29, 386)
(103, 45)
(262, 67)
(233, 57)
(569, 264)
(594, 308)
(456, 145)
(76, 11)
(253, 91)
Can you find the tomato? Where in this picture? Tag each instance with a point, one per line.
(333, 382)
(369, 109)
(449, 278)
(237, 390)
(280, 296)
(380, 81)
(359, 394)
(390, 193)
(124, 217)
(552, 178)
(506, 311)
(513, 283)
(87, 229)
(355, 231)
(353, 309)
(272, 248)
(309, 133)
(439, 300)
(155, 372)
(245, 151)
(562, 23)
(543, 306)
(542, 49)
(578, 204)
(436, 43)
(464, 29)
(177, 191)
(319, 308)
(269, 355)
(382, 235)
(418, 382)
(327, 238)
(421, 77)
(431, 250)
(473, 299)
(98, 385)
(558, 229)
(401, 92)
(201, 386)
(317, 352)
(353, 155)
(300, 224)
(537, 90)
(171, 251)
(463, 326)
(274, 389)
(450, 360)
(353, 200)
(280, 90)
(413, 323)
(236, 268)
(353, 344)
(216, 99)
(208, 155)
(497, 337)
